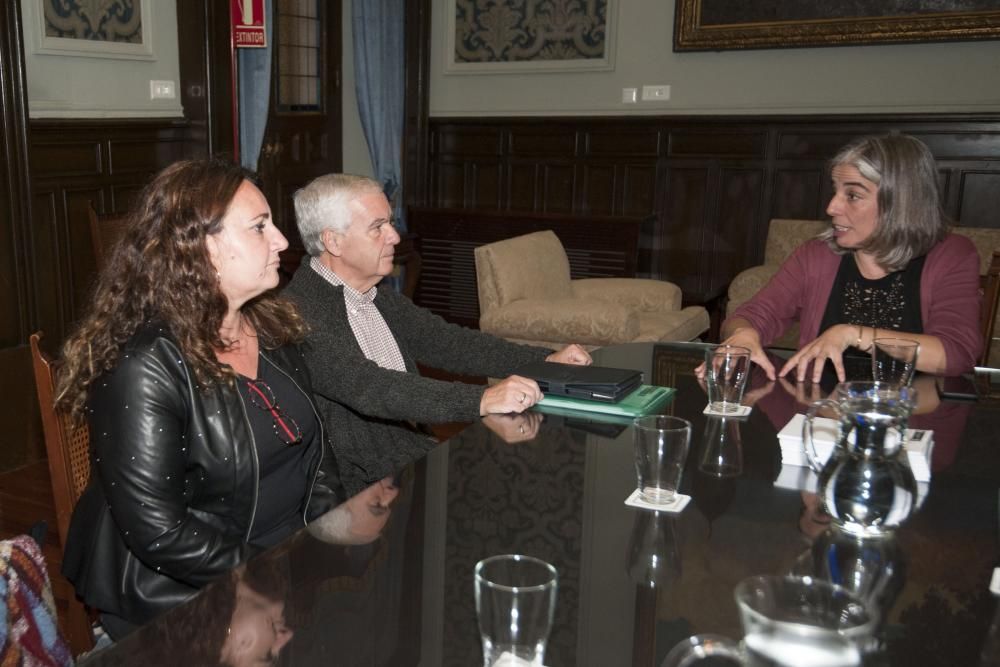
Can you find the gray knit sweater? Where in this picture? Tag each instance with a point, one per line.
(368, 410)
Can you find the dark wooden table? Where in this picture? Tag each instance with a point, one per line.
(401, 594)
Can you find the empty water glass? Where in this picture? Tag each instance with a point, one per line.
(726, 371)
(515, 604)
(661, 448)
(894, 360)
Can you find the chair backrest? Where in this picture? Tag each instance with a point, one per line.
(990, 285)
(533, 266)
(67, 445)
(785, 235)
(106, 229)
(987, 242)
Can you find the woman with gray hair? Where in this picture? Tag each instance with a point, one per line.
(887, 266)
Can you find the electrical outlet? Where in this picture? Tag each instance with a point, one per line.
(656, 93)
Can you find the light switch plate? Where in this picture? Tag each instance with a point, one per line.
(162, 90)
(656, 93)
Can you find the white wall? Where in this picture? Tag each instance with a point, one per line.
(356, 157)
(949, 77)
(78, 86)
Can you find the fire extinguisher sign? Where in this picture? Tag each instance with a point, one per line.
(248, 24)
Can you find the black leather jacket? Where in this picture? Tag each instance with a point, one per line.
(173, 494)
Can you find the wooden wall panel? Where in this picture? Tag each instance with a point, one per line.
(542, 141)
(685, 217)
(484, 185)
(598, 184)
(798, 193)
(74, 164)
(448, 183)
(522, 177)
(73, 158)
(736, 226)
(980, 202)
(47, 266)
(559, 187)
(638, 189)
(714, 183)
(618, 141)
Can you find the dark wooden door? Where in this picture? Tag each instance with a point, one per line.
(303, 137)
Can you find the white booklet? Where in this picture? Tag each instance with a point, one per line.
(919, 444)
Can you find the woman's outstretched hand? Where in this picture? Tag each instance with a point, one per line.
(829, 345)
(749, 338)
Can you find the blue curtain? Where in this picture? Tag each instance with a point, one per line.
(254, 90)
(378, 64)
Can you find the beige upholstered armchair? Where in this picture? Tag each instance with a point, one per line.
(783, 236)
(526, 295)
(987, 243)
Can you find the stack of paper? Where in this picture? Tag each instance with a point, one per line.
(918, 444)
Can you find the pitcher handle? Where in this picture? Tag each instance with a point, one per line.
(696, 648)
(808, 445)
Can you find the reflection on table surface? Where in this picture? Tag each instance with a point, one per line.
(386, 579)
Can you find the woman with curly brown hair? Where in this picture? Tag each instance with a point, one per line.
(205, 442)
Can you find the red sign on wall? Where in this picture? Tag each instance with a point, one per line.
(248, 24)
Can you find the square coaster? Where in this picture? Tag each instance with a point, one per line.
(678, 503)
(743, 411)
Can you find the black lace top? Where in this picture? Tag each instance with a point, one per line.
(891, 302)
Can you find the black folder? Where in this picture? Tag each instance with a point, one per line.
(595, 383)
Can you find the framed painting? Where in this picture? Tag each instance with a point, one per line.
(111, 29)
(712, 25)
(529, 35)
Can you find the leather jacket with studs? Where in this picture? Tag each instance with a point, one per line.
(174, 482)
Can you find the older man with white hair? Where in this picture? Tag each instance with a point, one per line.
(366, 342)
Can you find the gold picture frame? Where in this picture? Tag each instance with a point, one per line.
(762, 25)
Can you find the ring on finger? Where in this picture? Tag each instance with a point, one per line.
(520, 429)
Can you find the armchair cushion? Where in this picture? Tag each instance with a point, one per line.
(585, 321)
(635, 293)
(784, 236)
(747, 283)
(533, 266)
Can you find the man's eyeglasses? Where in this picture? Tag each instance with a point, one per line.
(285, 427)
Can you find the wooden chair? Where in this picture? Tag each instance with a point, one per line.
(68, 450)
(989, 284)
(106, 229)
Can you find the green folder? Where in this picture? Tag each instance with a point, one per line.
(646, 399)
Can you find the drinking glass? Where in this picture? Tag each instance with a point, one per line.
(726, 371)
(894, 360)
(661, 448)
(515, 604)
(654, 553)
(722, 448)
(788, 622)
